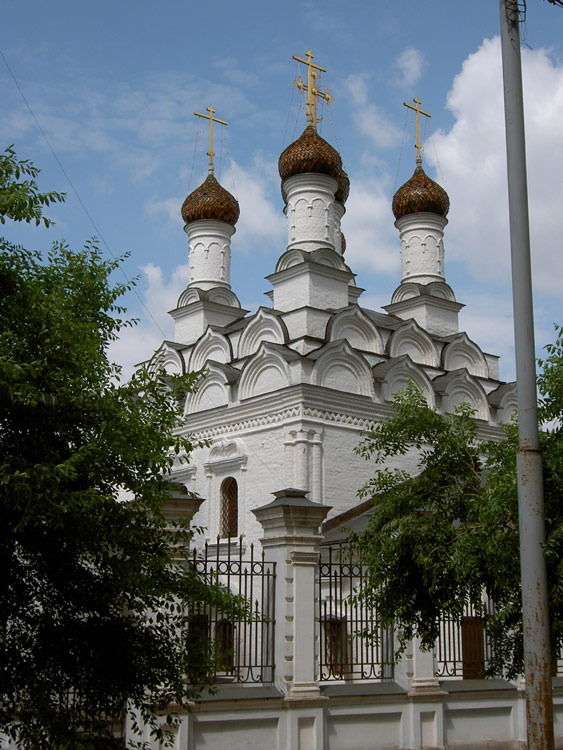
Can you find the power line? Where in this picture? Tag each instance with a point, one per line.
(77, 194)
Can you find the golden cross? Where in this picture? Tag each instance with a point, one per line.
(311, 88)
(419, 112)
(211, 119)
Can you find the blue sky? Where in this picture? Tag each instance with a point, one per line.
(114, 86)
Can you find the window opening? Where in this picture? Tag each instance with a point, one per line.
(229, 508)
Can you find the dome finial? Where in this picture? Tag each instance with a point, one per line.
(313, 74)
(211, 119)
(419, 112)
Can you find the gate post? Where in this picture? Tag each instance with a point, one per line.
(180, 505)
(291, 539)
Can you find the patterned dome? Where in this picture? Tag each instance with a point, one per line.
(311, 153)
(419, 194)
(341, 195)
(210, 201)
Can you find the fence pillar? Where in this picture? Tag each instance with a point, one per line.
(180, 505)
(423, 679)
(427, 709)
(291, 525)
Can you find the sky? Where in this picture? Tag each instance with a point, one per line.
(101, 97)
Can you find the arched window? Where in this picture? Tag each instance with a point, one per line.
(229, 508)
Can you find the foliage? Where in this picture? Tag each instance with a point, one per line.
(447, 531)
(94, 611)
(21, 200)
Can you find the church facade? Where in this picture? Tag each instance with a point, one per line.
(287, 389)
(285, 392)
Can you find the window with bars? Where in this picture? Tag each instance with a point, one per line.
(229, 508)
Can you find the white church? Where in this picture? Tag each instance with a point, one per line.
(285, 392)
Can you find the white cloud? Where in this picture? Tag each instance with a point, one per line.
(408, 66)
(260, 217)
(471, 158)
(170, 207)
(136, 344)
(371, 238)
(369, 118)
(162, 294)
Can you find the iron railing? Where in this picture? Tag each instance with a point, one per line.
(463, 648)
(244, 648)
(353, 646)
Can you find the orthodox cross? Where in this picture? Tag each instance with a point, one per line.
(313, 74)
(211, 119)
(419, 112)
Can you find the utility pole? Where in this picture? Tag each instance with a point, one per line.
(535, 612)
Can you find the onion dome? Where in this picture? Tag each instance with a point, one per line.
(341, 195)
(210, 201)
(311, 153)
(419, 194)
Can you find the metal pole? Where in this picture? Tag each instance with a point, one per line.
(537, 651)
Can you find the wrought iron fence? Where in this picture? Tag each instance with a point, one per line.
(463, 648)
(244, 649)
(353, 646)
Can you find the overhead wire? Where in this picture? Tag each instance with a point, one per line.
(77, 194)
(95, 226)
(401, 151)
(442, 180)
(194, 156)
(288, 114)
(221, 151)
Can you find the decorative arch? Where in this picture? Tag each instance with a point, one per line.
(325, 256)
(396, 374)
(189, 296)
(228, 450)
(354, 326)
(267, 371)
(265, 326)
(461, 353)
(405, 291)
(342, 368)
(442, 290)
(505, 400)
(409, 338)
(167, 357)
(460, 387)
(222, 296)
(290, 258)
(225, 470)
(212, 345)
(213, 389)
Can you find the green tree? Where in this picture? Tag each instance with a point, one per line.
(94, 611)
(447, 532)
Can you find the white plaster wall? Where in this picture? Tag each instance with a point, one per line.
(434, 319)
(422, 247)
(242, 733)
(209, 254)
(310, 289)
(264, 472)
(311, 219)
(353, 731)
(344, 472)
